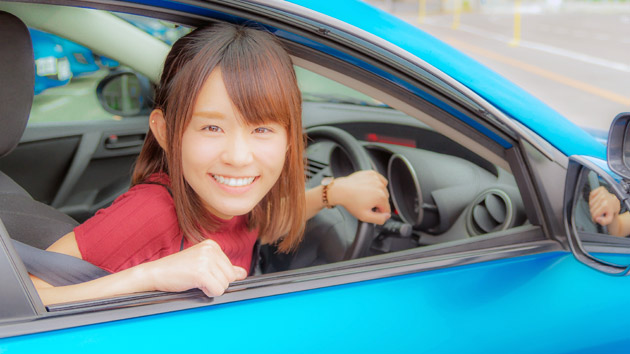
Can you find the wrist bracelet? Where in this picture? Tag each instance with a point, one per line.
(326, 182)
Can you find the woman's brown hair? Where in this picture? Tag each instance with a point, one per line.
(259, 77)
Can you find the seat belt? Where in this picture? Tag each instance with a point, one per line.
(57, 269)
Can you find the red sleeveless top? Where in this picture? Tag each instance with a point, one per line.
(141, 226)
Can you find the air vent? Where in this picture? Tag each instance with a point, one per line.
(312, 168)
(491, 211)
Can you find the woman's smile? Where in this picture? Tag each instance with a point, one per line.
(233, 185)
(234, 182)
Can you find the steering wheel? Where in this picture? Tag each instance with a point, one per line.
(360, 161)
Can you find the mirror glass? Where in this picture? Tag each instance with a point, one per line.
(123, 95)
(596, 206)
(601, 221)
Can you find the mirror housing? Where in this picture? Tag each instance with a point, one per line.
(618, 147)
(125, 93)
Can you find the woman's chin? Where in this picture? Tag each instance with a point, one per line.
(228, 213)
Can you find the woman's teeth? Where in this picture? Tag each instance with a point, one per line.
(234, 182)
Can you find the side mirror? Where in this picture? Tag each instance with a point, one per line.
(125, 93)
(619, 145)
(592, 243)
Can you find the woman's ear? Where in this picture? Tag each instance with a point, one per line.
(158, 127)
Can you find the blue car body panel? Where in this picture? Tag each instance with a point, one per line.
(527, 304)
(81, 58)
(45, 45)
(109, 63)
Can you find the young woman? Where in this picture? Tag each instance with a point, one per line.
(222, 167)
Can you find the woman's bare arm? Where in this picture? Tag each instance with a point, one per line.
(202, 266)
(128, 281)
(66, 245)
(364, 194)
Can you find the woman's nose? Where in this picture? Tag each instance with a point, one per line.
(238, 151)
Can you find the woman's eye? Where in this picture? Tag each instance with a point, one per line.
(212, 128)
(262, 130)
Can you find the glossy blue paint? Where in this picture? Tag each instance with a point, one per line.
(47, 47)
(534, 304)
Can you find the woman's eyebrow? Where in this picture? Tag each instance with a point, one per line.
(209, 114)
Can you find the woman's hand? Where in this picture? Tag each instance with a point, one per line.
(604, 206)
(364, 194)
(203, 266)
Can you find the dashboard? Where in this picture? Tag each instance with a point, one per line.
(440, 191)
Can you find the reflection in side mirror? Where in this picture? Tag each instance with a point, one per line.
(124, 93)
(596, 210)
(595, 207)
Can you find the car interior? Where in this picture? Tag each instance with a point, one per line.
(75, 156)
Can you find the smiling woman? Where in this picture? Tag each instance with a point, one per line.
(250, 83)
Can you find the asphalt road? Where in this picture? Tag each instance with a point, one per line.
(577, 60)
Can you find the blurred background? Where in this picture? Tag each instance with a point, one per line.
(572, 54)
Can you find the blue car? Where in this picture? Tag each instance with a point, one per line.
(52, 66)
(81, 58)
(490, 249)
(57, 60)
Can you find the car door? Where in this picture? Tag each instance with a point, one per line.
(82, 166)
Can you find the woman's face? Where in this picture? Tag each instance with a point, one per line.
(230, 165)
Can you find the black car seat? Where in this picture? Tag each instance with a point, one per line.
(25, 219)
(32, 225)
